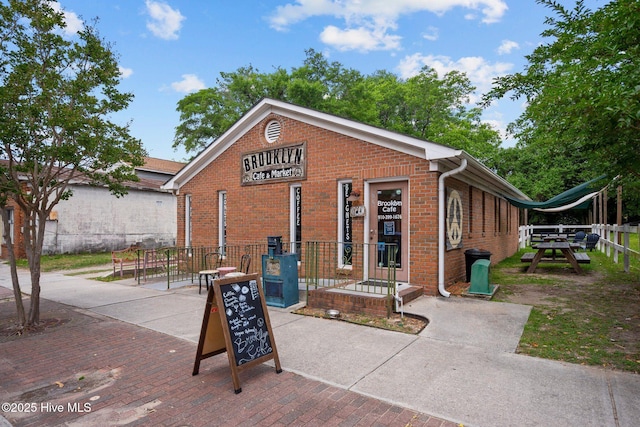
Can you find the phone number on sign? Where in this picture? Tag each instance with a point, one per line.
(389, 217)
(23, 407)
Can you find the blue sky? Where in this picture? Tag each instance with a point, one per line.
(170, 48)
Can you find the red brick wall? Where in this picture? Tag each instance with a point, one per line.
(18, 236)
(483, 229)
(350, 303)
(257, 211)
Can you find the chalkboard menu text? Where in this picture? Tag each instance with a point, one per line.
(240, 315)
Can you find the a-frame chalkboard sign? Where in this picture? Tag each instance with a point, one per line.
(236, 320)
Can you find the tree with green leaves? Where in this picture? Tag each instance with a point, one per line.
(426, 106)
(330, 87)
(437, 109)
(208, 113)
(56, 96)
(582, 89)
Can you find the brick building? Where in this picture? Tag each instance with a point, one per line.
(285, 170)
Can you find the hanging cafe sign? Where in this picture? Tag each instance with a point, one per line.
(283, 163)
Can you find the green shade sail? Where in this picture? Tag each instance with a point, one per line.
(566, 198)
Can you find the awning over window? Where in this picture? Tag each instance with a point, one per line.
(575, 198)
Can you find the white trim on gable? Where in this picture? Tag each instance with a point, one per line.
(440, 156)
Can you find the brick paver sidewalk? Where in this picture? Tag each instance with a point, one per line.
(89, 370)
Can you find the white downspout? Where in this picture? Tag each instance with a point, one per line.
(442, 225)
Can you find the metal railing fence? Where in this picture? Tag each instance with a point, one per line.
(178, 264)
(360, 267)
(368, 268)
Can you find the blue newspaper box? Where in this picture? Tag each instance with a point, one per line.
(280, 279)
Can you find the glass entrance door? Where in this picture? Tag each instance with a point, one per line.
(388, 227)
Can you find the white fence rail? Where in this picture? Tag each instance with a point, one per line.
(614, 239)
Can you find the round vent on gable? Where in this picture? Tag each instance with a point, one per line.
(272, 131)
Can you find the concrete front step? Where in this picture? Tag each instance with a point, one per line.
(410, 293)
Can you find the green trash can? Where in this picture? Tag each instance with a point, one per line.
(471, 256)
(480, 278)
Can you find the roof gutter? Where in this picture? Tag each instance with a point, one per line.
(442, 225)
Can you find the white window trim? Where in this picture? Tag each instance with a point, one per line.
(187, 220)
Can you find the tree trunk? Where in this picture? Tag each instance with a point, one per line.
(33, 241)
(34, 309)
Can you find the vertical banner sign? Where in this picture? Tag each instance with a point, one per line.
(454, 220)
(298, 207)
(239, 324)
(347, 249)
(223, 240)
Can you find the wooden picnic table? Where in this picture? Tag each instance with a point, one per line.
(555, 238)
(568, 256)
(558, 238)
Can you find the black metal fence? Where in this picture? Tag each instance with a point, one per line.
(180, 264)
(369, 268)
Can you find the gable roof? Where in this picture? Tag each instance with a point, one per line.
(441, 157)
(153, 164)
(143, 183)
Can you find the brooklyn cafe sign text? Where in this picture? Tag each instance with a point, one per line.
(283, 163)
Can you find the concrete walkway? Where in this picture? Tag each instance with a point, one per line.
(462, 367)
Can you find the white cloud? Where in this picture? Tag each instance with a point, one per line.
(498, 123)
(165, 21)
(431, 34)
(362, 39)
(507, 46)
(478, 70)
(125, 73)
(73, 22)
(289, 14)
(368, 22)
(189, 83)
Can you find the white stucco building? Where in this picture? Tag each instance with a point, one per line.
(94, 220)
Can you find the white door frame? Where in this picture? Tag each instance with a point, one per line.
(367, 219)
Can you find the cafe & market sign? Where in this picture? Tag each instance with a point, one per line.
(282, 163)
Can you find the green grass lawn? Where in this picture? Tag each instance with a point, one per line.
(591, 319)
(634, 241)
(70, 262)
